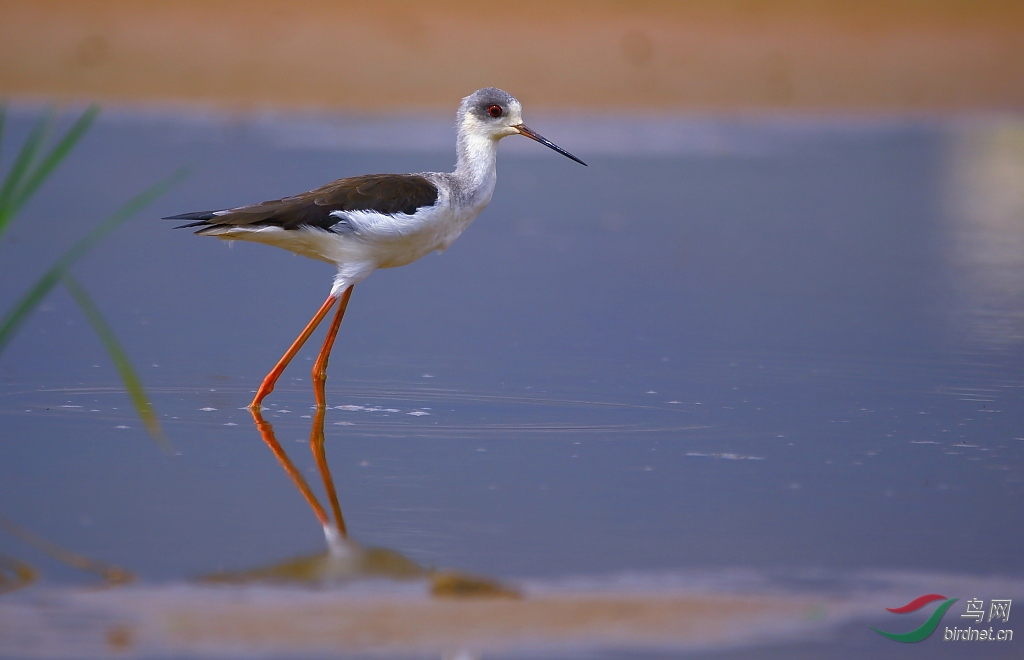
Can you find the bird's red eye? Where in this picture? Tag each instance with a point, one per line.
(495, 111)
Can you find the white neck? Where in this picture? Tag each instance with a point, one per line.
(475, 168)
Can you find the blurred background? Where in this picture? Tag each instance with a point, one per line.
(597, 56)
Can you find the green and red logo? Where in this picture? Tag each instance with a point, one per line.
(928, 627)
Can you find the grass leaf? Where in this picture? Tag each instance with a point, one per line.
(3, 118)
(17, 315)
(112, 574)
(119, 357)
(59, 152)
(24, 160)
(15, 574)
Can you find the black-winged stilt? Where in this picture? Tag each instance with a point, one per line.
(363, 223)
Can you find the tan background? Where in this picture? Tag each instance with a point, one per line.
(735, 55)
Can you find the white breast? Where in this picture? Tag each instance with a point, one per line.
(396, 240)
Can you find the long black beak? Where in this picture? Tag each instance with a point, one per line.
(523, 130)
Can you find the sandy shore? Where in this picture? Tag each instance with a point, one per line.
(827, 55)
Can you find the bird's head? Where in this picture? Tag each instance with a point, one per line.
(494, 113)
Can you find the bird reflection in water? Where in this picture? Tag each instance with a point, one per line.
(344, 558)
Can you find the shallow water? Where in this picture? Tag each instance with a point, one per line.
(787, 347)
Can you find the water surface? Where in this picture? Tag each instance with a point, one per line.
(784, 347)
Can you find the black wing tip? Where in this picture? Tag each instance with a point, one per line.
(196, 215)
(200, 218)
(200, 223)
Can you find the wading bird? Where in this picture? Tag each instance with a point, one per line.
(363, 223)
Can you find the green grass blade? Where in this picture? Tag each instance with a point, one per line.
(3, 119)
(24, 160)
(59, 152)
(119, 357)
(17, 315)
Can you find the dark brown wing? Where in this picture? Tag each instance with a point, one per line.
(383, 193)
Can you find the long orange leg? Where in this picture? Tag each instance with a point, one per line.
(268, 383)
(320, 366)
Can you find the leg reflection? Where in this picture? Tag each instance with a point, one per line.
(267, 433)
(316, 443)
(345, 559)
